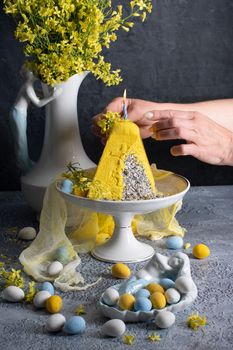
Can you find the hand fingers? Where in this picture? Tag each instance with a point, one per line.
(175, 133)
(167, 114)
(189, 149)
(172, 123)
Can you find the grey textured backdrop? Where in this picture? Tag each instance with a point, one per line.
(183, 53)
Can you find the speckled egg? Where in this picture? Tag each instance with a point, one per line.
(120, 270)
(110, 296)
(53, 304)
(67, 186)
(40, 299)
(75, 325)
(114, 328)
(165, 319)
(167, 283)
(47, 286)
(126, 302)
(154, 287)
(62, 255)
(142, 304)
(184, 284)
(27, 233)
(13, 294)
(201, 251)
(55, 323)
(174, 242)
(172, 296)
(158, 300)
(142, 293)
(55, 268)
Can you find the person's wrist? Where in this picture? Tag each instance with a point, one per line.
(229, 158)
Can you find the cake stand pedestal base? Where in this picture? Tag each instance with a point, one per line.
(123, 246)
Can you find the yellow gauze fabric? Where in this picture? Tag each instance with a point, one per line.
(64, 225)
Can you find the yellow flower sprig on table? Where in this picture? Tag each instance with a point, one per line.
(195, 321)
(64, 37)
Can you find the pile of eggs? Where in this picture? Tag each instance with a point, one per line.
(45, 298)
(154, 296)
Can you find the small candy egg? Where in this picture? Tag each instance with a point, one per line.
(75, 325)
(27, 233)
(158, 300)
(142, 304)
(120, 270)
(55, 323)
(67, 186)
(53, 304)
(165, 319)
(142, 293)
(47, 286)
(55, 268)
(201, 251)
(167, 283)
(114, 328)
(184, 284)
(40, 299)
(111, 296)
(174, 242)
(154, 287)
(62, 254)
(126, 301)
(13, 294)
(172, 296)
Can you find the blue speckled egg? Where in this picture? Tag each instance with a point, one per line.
(47, 286)
(167, 283)
(62, 255)
(142, 293)
(75, 325)
(67, 186)
(142, 304)
(174, 242)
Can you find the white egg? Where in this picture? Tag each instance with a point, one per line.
(13, 294)
(165, 319)
(172, 296)
(111, 296)
(40, 298)
(27, 233)
(114, 328)
(55, 268)
(55, 323)
(184, 284)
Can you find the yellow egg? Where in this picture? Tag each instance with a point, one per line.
(53, 304)
(120, 270)
(154, 287)
(126, 301)
(158, 300)
(201, 251)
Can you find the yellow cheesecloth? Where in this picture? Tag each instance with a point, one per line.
(63, 224)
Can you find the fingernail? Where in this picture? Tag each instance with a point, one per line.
(148, 115)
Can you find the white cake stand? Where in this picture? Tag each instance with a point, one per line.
(123, 246)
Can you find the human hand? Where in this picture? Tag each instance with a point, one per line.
(205, 139)
(137, 112)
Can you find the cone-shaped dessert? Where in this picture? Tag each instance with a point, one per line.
(123, 172)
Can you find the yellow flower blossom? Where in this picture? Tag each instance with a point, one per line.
(64, 37)
(128, 339)
(154, 337)
(31, 292)
(195, 321)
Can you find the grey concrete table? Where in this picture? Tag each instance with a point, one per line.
(207, 214)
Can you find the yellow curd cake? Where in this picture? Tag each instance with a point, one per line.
(123, 172)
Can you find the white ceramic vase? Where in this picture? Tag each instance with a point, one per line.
(62, 142)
